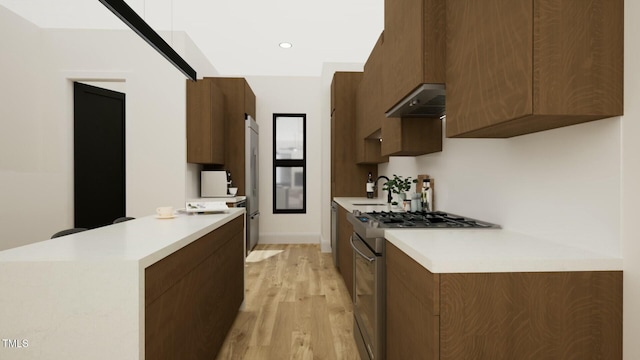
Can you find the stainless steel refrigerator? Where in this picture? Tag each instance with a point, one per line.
(251, 182)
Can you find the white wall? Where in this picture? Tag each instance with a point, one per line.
(562, 184)
(29, 176)
(38, 68)
(289, 95)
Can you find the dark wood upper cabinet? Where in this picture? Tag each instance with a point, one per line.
(411, 136)
(400, 136)
(520, 66)
(347, 177)
(370, 110)
(239, 101)
(205, 123)
(414, 47)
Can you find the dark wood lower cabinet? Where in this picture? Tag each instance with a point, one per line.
(413, 321)
(541, 315)
(192, 296)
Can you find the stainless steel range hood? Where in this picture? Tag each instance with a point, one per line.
(428, 100)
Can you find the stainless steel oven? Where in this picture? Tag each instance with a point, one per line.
(369, 279)
(369, 298)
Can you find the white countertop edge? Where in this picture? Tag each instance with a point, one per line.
(179, 244)
(143, 240)
(582, 261)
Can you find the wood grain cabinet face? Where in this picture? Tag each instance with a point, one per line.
(239, 101)
(400, 137)
(192, 296)
(562, 315)
(413, 308)
(347, 177)
(415, 47)
(205, 123)
(520, 66)
(411, 136)
(370, 110)
(486, 316)
(395, 68)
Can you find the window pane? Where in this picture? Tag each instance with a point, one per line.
(289, 137)
(289, 188)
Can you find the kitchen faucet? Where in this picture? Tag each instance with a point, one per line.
(375, 187)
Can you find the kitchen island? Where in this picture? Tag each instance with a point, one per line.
(154, 288)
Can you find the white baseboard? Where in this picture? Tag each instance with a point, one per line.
(289, 238)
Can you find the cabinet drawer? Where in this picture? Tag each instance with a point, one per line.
(418, 280)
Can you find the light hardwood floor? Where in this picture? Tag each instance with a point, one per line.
(296, 307)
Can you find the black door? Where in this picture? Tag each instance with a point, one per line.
(99, 156)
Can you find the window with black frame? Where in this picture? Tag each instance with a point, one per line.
(289, 163)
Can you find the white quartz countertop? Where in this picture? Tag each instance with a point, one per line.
(485, 250)
(494, 250)
(145, 240)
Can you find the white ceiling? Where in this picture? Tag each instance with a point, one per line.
(240, 37)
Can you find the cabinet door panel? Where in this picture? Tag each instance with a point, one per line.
(489, 62)
(239, 100)
(413, 306)
(205, 123)
(347, 178)
(195, 296)
(576, 45)
(412, 329)
(566, 315)
(415, 45)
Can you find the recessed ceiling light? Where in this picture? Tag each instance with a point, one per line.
(285, 45)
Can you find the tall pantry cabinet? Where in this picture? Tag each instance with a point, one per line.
(347, 178)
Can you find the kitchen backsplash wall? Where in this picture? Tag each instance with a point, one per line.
(562, 185)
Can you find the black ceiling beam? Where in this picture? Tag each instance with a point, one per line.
(137, 24)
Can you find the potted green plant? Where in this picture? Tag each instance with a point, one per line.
(399, 186)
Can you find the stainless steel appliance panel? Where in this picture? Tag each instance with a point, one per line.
(253, 225)
(334, 232)
(251, 164)
(369, 298)
(251, 182)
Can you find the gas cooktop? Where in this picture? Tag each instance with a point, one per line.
(421, 219)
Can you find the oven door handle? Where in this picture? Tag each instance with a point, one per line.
(353, 246)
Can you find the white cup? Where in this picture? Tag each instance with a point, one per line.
(233, 191)
(164, 211)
